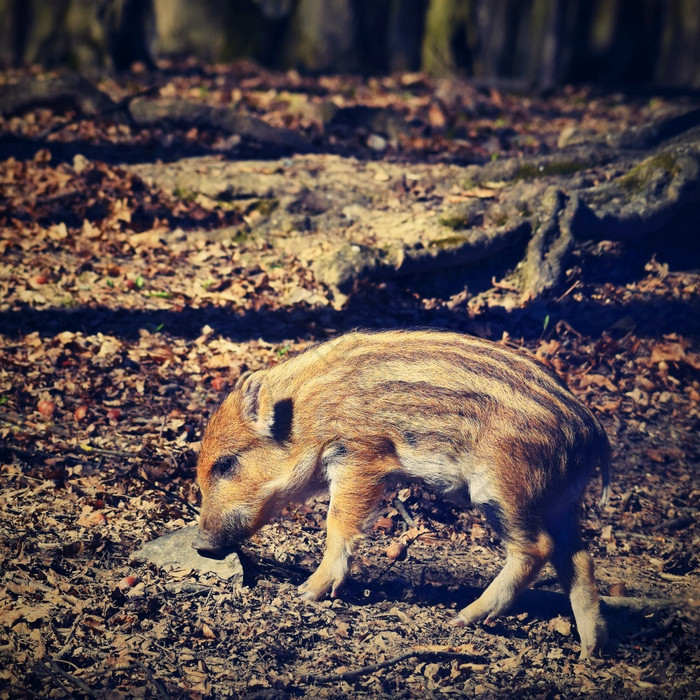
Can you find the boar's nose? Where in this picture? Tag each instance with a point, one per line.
(205, 543)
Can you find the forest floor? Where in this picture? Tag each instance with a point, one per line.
(131, 302)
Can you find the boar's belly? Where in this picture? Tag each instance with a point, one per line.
(458, 479)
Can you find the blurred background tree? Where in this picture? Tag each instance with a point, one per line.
(535, 43)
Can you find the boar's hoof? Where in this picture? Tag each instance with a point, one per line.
(312, 590)
(308, 595)
(309, 591)
(593, 650)
(590, 652)
(465, 618)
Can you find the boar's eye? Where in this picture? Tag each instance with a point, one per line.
(225, 465)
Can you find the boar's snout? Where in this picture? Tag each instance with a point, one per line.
(204, 543)
(217, 538)
(210, 545)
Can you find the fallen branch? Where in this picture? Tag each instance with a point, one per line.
(403, 512)
(70, 90)
(48, 671)
(69, 638)
(149, 112)
(676, 524)
(160, 690)
(422, 654)
(144, 109)
(54, 669)
(637, 604)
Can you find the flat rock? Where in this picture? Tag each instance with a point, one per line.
(174, 550)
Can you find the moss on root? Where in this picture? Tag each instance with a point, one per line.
(530, 171)
(641, 175)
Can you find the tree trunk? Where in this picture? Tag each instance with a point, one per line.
(322, 36)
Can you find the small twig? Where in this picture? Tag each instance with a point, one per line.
(561, 323)
(160, 690)
(189, 506)
(569, 290)
(206, 602)
(660, 628)
(87, 449)
(191, 589)
(160, 432)
(47, 671)
(677, 524)
(673, 577)
(503, 285)
(16, 419)
(507, 653)
(69, 638)
(403, 512)
(621, 535)
(71, 679)
(23, 690)
(393, 561)
(423, 654)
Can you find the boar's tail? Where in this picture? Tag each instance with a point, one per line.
(605, 473)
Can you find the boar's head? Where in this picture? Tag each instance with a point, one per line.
(243, 464)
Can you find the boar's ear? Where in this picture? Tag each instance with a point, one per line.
(256, 402)
(242, 378)
(282, 420)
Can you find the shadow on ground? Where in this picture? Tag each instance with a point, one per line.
(592, 317)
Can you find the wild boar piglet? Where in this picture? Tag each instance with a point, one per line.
(468, 417)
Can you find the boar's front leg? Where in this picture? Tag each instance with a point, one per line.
(356, 484)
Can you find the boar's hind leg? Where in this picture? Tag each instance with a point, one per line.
(353, 499)
(574, 568)
(524, 559)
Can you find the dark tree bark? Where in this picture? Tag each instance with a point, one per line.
(132, 34)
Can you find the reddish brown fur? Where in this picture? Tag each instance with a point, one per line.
(464, 415)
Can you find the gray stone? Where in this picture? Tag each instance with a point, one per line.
(377, 142)
(174, 550)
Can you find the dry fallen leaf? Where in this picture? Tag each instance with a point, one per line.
(396, 551)
(80, 412)
(597, 380)
(617, 589)
(91, 518)
(480, 193)
(46, 407)
(561, 625)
